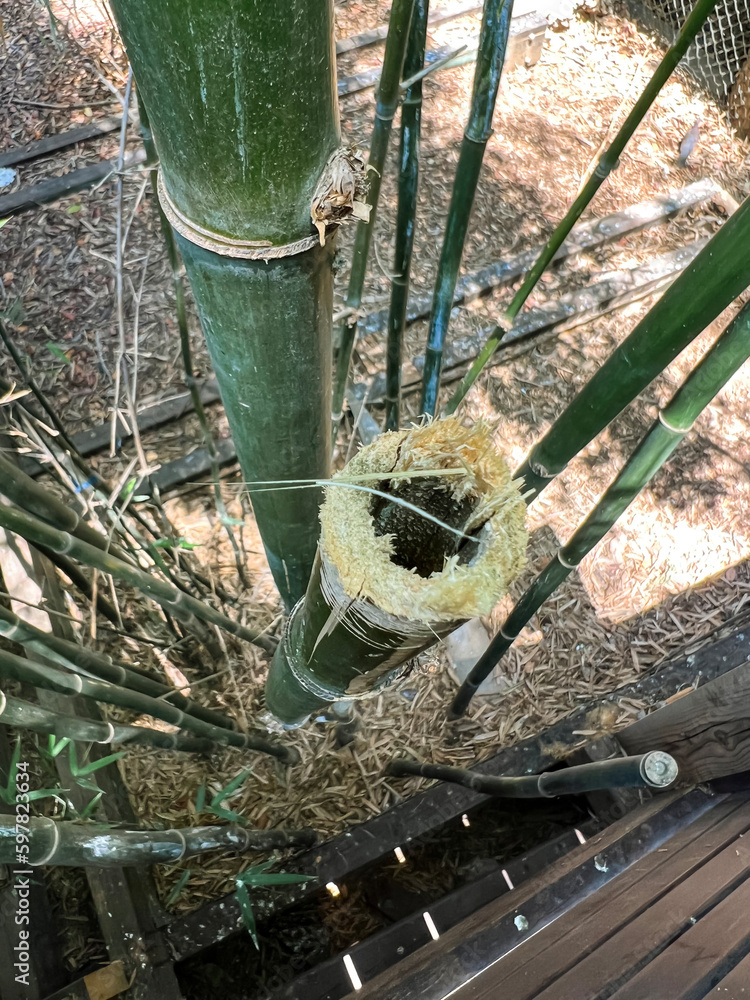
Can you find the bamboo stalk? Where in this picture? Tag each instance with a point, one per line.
(184, 607)
(607, 162)
(79, 659)
(387, 99)
(102, 846)
(719, 273)
(655, 769)
(374, 602)
(208, 74)
(31, 672)
(24, 715)
(408, 182)
(493, 40)
(185, 349)
(714, 370)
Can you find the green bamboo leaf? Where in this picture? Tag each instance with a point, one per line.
(81, 770)
(90, 808)
(58, 352)
(232, 787)
(228, 814)
(56, 746)
(246, 909)
(178, 887)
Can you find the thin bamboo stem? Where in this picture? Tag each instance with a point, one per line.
(387, 99)
(183, 606)
(25, 715)
(719, 273)
(100, 845)
(714, 370)
(79, 659)
(607, 162)
(408, 182)
(493, 40)
(31, 672)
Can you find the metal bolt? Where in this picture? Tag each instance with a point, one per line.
(659, 769)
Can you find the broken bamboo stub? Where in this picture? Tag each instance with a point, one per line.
(422, 530)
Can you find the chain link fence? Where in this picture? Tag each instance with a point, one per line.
(719, 58)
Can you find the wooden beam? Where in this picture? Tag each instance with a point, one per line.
(54, 188)
(707, 731)
(429, 810)
(60, 140)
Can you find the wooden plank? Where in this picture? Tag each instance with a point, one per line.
(428, 810)
(54, 188)
(699, 958)
(463, 952)
(617, 959)
(707, 731)
(435, 18)
(559, 947)
(60, 140)
(735, 985)
(96, 438)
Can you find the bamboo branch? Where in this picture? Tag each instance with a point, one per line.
(82, 660)
(408, 180)
(608, 161)
(24, 715)
(100, 845)
(31, 672)
(385, 110)
(493, 40)
(184, 607)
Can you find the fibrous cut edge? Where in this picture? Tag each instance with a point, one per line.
(461, 590)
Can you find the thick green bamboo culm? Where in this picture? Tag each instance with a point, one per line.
(718, 365)
(386, 104)
(179, 604)
(493, 40)
(24, 715)
(79, 659)
(719, 273)
(103, 846)
(607, 162)
(408, 183)
(21, 669)
(182, 326)
(239, 92)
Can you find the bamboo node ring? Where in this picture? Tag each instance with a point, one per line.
(227, 246)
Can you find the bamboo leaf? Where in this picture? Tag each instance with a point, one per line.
(58, 352)
(178, 887)
(90, 807)
(246, 909)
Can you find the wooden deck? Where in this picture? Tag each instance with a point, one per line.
(672, 924)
